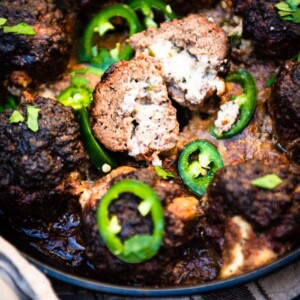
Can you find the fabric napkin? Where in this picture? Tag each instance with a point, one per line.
(19, 279)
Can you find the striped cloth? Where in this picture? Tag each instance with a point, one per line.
(20, 280)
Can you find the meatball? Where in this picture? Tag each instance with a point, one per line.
(272, 35)
(33, 164)
(182, 223)
(285, 108)
(231, 193)
(132, 111)
(192, 60)
(40, 57)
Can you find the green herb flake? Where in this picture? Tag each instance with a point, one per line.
(269, 181)
(32, 118)
(162, 173)
(21, 28)
(296, 17)
(271, 80)
(2, 21)
(16, 117)
(293, 3)
(289, 11)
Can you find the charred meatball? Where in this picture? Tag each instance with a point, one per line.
(231, 193)
(285, 108)
(33, 164)
(132, 111)
(40, 57)
(182, 223)
(192, 60)
(272, 35)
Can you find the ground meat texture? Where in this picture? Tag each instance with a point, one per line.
(132, 111)
(193, 52)
(231, 193)
(285, 108)
(41, 57)
(240, 5)
(272, 36)
(33, 163)
(182, 224)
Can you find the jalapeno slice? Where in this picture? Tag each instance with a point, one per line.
(97, 154)
(146, 6)
(138, 248)
(100, 23)
(197, 165)
(246, 103)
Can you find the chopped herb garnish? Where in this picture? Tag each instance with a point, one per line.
(289, 10)
(16, 117)
(32, 118)
(162, 173)
(2, 21)
(21, 28)
(271, 80)
(269, 181)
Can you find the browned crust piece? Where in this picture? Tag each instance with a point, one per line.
(132, 111)
(202, 39)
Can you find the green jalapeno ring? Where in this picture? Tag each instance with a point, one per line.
(246, 103)
(100, 23)
(145, 6)
(209, 161)
(138, 248)
(76, 97)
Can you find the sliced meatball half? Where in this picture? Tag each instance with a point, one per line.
(193, 52)
(132, 111)
(183, 219)
(40, 57)
(285, 108)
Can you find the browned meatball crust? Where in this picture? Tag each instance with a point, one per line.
(231, 193)
(285, 108)
(43, 56)
(272, 35)
(34, 163)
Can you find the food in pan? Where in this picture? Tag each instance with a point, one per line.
(162, 148)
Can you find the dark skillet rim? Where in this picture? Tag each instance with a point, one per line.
(103, 287)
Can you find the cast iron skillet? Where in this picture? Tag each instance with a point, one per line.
(161, 292)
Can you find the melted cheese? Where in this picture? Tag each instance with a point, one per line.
(147, 117)
(227, 116)
(195, 78)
